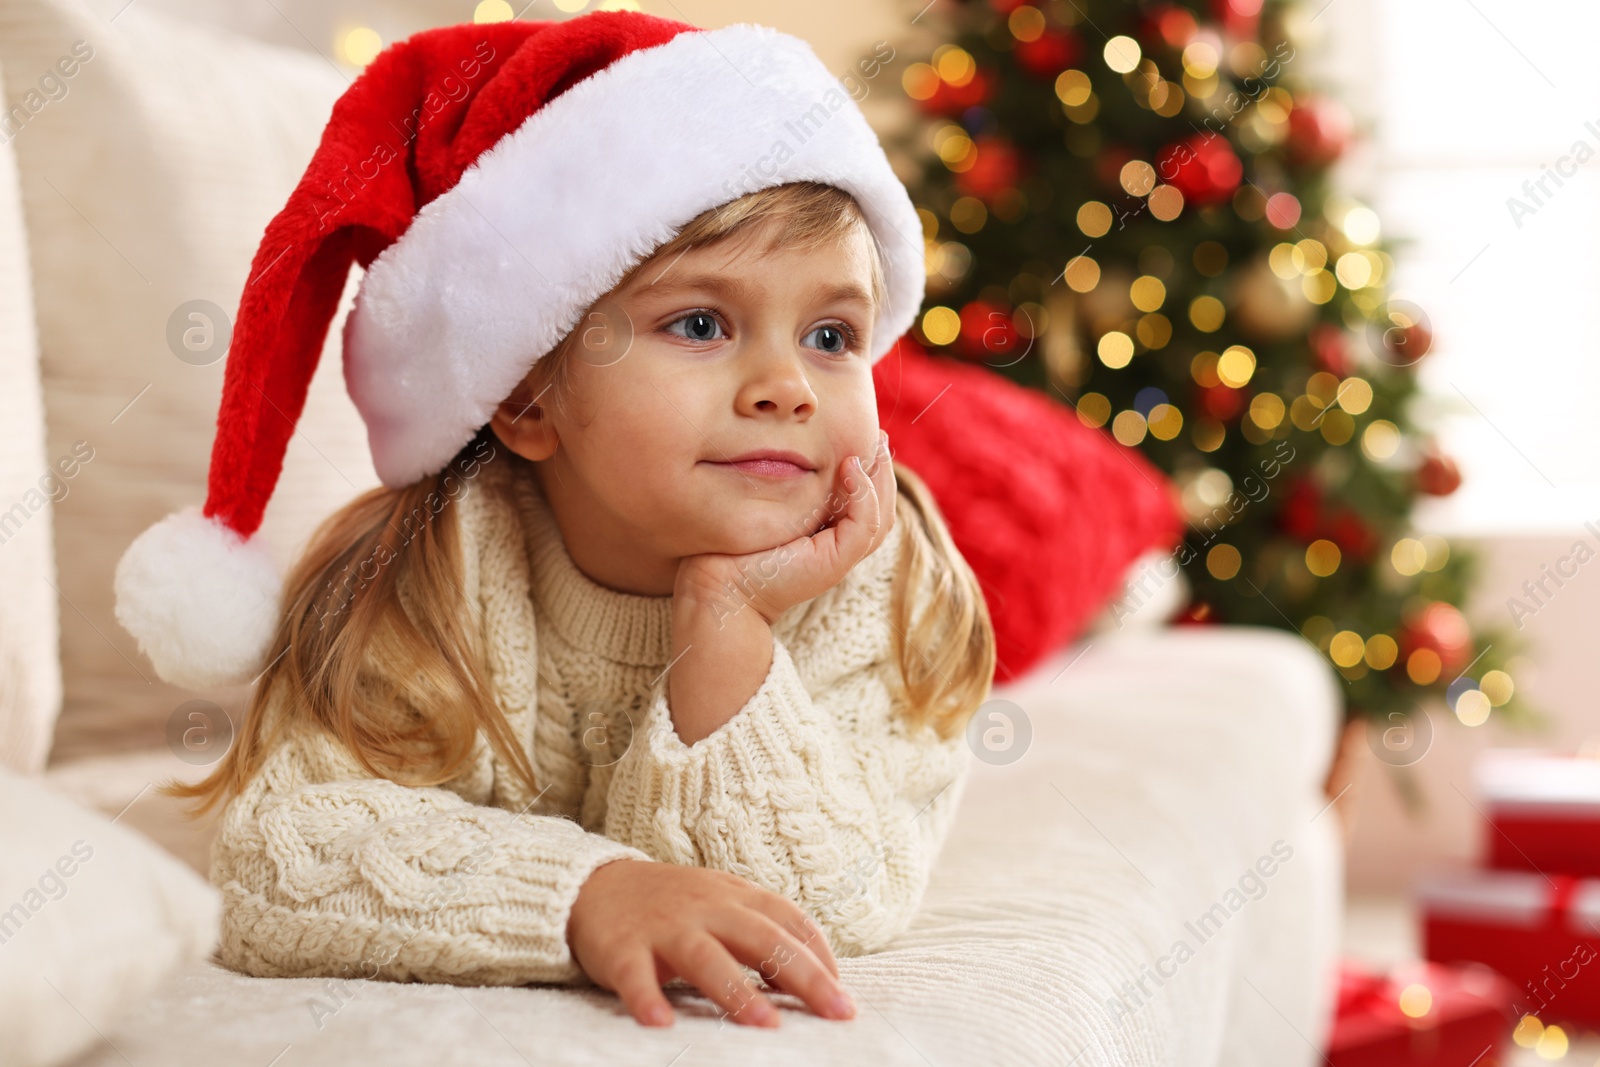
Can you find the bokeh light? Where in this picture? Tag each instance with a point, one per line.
(1416, 1000)
(1322, 557)
(1122, 54)
(941, 325)
(360, 46)
(1382, 651)
(1223, 561)
(1206, 313)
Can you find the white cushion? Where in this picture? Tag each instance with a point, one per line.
(30, 667)
(147, 185)
(105, 784)
(93, 920)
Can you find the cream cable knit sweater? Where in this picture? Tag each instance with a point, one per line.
(816, 789)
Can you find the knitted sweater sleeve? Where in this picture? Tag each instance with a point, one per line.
(828, 798)
(328, 871)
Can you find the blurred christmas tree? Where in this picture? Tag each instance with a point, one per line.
(1128, 205)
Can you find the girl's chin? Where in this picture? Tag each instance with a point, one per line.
(743, 537)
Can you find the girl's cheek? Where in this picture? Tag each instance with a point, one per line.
(861, 442)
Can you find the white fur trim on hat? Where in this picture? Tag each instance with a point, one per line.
(494, 272)
(202, 603)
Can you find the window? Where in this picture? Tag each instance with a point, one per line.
(1483, 159)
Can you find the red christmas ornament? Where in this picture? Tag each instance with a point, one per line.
(1438, 475)
(1240, 18)
(1048, 54)
(1305, 516)
(1319, 131)
(1442, 628)
(1006, 7)
(1405, 345)
(996, 170)
(987, 332)
(1168, 24)
(1203, 167)
(1222, 402)
(1351, 533)
(1198, 613)
(951, 100)
(1301, 514)
(1330, 350)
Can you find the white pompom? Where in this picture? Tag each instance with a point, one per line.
(202, 602)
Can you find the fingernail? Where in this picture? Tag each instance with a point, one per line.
(658, 1015)
(843, 1007)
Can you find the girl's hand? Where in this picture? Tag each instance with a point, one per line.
(775, 579)
(637, 924)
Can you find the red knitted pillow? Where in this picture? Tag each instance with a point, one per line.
(1048, 512)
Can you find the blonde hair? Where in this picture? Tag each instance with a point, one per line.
(347, 652)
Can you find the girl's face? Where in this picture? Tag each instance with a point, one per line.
(696, 362)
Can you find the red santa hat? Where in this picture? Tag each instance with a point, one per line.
(494, 180)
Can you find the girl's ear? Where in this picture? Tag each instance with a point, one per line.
(524, 427)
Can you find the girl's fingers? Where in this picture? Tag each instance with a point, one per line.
(706, 963)
(780, 958)
(849, 483)
(880, 476)
(854, 532)
(888, 492)
(880, 455)
(635, 980)
(789, 915)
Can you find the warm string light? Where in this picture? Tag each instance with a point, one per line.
(359, 46)
(1416, 1000)
(1548, 1042)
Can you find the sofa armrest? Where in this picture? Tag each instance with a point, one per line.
(30, 657)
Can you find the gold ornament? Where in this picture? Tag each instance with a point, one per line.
(1267, 306)
(1108, 306)
(1059, 344)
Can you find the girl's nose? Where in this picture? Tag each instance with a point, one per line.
(776, 383)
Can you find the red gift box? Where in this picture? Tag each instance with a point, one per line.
(1541, 931)
(1543, 809)
(1458, 1016)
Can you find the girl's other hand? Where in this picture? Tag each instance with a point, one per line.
(638, 924)
(775, 579)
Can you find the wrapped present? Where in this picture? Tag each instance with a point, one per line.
(1540, 931)
(1543, 810)
(1420, 1013)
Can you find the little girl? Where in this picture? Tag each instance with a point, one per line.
(664, 672)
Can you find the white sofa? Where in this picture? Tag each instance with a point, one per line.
(1164, 764)
(1163, 767)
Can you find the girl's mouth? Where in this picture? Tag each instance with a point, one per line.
(769, 463)
(770, 468)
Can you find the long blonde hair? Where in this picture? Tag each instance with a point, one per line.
(347, 652)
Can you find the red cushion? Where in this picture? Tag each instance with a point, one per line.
(1048, 512)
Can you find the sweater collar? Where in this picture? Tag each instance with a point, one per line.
(622, 627)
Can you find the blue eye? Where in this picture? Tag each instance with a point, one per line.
(837, 334)
(700, 321)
